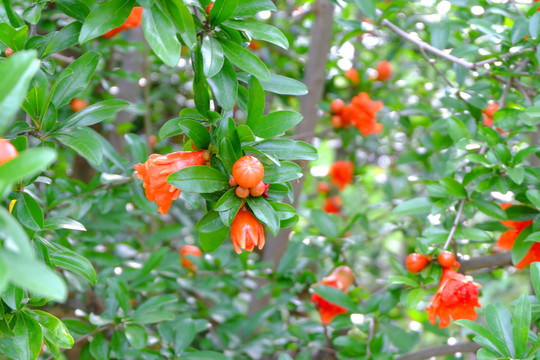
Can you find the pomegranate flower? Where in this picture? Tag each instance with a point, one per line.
(155, 170)
(457, 297)
(342, 173)
(341, 278)
(333, 204)
(246, 231)
(507, 239)
(134, 19)
(362, 112)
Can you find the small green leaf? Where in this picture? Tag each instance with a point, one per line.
(136, 335)
(264, 212)
(104, 17)
(85, 142)
(335, 296)
(275, 123)
(222, 10)
(420, 205)
(245, 60)
(160, 33)
(199, 179)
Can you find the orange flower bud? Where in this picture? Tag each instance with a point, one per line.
(8, 52)
(248, 171)
(7, 151)
(155, 170)
(189, 250)
(209, 8)
(384, 70)
(336, 106)
(352, 75)
(333, 205)
(78, 104)
(246, 231)
(258, 190)
(242, 192)
(232, 182)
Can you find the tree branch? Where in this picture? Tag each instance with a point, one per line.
(495, 260)
(454, 225)
(439, 351)
(427, 47)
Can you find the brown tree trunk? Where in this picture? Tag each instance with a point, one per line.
(314, 78)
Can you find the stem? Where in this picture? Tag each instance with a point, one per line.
(63, 58)
(146, 97)
(454, 225)
(439, 351)
(488, 261)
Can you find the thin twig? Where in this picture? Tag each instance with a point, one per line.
(427, 47)
(488, 261)
(429, 61)
(455, 224)
(439, 351)
(146, 96)
(66, 59)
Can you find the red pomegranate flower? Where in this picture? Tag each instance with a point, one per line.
(489, 112)
(362, 112)
(457, 296)
(507, 239)
(341, 278)
(352, 75)
(333, 205)
(246, 231)
(384, 70)
(134, 19)
(342, 173)
(155, 170)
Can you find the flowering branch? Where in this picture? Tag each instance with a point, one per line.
(455, 224)
(439, 351)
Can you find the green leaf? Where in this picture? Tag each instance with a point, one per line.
(82, 69)
(454, 188)
(137, 147)
(196, 131)
(74, 8)
(27, 337)
(28, 212)
(105, 17)
(521, 247)
(16, 73)
(227, 201)
(490, 209)
(402, 280)
(182, 18)
(222, 10)
(439, 33)
(99, 347)
(284, 211)
(185, 334)
(534, 197)
(260, 31)
(210, 222)
(245, 60)
(521, 324)
(204, 355)
(326, 223)
(224, 85)
(28, 163)
(252, 7)
(516, 174)
(67, 37)
(85, 142)
(264, 212)
(95, 113)
(227, 154)
(287, 149)
(73, 262)
(457, 130)
(210, 241)
(53, 329)
(534, 25)
(280, 85)
(493, 342)
(275, 123)
(519, 30)
(498, 319)
(13, 38)
(34, 276)
(535, 278)
(136, 335)
(199, 179)
(3, 276)
(14, 236)
(420, 205)
(212, 54)
(367, 7)
(7, 11)
(256, 101)
(160, 33)
(335, 296)
(288, 171)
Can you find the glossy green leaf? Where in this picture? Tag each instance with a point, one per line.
(222, 10)
(53, 329)
(224, 85)
(264, 212)
(335, 296)
(245, 60)
(160, 33)
(288, 171)
(252, 7)
(275, 123)
(63, 39)
(420, 205)
(136, 335)
(27, 336)
(85, 142)
(28, 212)
(105, 17)
(211, 241)
(521, 324)
(260, 31)
(95, 113)
(199, 179)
